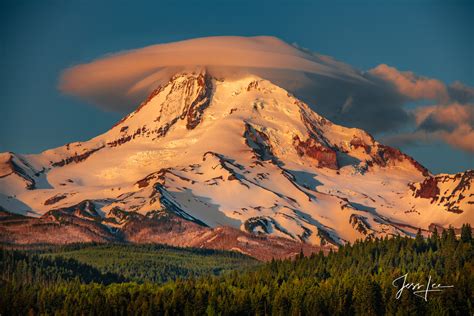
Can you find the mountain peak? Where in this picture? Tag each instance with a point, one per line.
(239, 152)
(185, 96)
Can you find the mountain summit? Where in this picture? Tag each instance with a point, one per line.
(231, 164)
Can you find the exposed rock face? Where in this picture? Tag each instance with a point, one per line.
(164, 227)
(359, 143)
(465, 183)
(326, 238)
(201, 102)
(360, 223)
(324, 156)
(256, 225)
(84, 210)
(76, 157)
(153, 177)
(194, 94)
(55, 199)
(253, 85)
(262, 225)
(53, 228)
(387, 155)
(428, 189)
(453, 192)
(64, 226)
(127, 137)
(10, 164)
(259, 143)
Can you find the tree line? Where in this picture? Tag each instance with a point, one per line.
(355, 280)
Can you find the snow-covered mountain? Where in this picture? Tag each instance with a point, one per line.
(245, 154)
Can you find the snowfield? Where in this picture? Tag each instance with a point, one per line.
(242, 153)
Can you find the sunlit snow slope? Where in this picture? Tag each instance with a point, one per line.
(242, 153)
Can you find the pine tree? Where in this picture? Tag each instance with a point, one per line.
(466, 233)
(434, 239)
(368, 298)
(419, 241)
(444, 235)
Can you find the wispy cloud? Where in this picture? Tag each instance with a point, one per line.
(450, 120)
(410, 85)
(454, 123)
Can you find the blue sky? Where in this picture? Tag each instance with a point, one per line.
(39, 39)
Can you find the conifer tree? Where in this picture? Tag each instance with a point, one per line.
(466, 233)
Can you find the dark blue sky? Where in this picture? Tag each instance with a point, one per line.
(39, 39)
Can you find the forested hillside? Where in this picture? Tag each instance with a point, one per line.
(106, 263)
(357, 279)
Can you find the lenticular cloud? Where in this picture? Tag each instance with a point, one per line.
(119, 81)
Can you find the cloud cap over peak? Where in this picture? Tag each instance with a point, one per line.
(119, 81)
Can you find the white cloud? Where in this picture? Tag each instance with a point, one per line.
(120, 81)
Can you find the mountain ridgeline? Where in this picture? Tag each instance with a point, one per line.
(237, 164)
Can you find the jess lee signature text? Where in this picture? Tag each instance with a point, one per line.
(419, 289)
